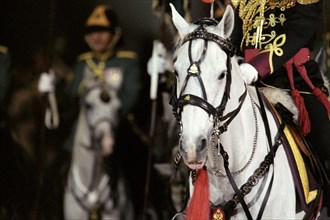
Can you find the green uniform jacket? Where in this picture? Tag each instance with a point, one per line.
(120, 69)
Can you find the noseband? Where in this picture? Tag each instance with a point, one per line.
(194, 71)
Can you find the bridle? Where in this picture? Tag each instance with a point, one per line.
(178, 103)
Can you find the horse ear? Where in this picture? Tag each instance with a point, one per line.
(226, 25)
(180, 24)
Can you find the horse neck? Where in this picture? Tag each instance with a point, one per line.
(85, 161)
(242, 138)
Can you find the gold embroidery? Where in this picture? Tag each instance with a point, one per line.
(273, 20)
(268, 38)
(307, 2)
(98, 69)
(265, 39)
(250, 39)
(252, 14)
(274, 47)
(248, 12)
(282, 4)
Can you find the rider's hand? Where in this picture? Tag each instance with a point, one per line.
(47, 82)
(158, 62)
(249, 73)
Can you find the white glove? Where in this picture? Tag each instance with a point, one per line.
(157, 64)
(47, 82)
(249, 73)
(158, 61)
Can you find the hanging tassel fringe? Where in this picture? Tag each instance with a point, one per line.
(303, 119)
(199, 206)
(322, 98)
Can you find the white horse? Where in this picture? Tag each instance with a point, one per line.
(88, 194)
(221, 122)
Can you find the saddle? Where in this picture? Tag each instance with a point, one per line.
(306, 169)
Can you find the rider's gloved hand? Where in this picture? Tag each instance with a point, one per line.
(158, 62)
(249, 73)
(47, 82)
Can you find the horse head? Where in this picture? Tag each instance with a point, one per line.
(100, 108)
(203, 65)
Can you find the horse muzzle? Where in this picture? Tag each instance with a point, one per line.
(194, 154)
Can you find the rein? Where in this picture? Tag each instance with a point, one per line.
(260, 172)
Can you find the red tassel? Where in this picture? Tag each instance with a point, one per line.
(199, 205)
(304, 122)
(322, 98)
(208, 1)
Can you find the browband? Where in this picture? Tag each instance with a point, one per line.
(201, 33)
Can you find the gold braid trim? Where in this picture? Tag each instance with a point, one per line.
(307, 2)
(282, 4)
(252, 14)
(248, 12)
(97, 68)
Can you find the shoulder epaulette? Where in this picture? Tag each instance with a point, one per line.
(307, 2)
(85, 56)
(3, 49)
(126, 54)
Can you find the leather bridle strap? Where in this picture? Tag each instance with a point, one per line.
(194, 70)
(272, 152)
(233, 183)
(196, 101)
(231, 115)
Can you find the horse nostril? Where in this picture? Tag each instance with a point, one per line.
(201, 146)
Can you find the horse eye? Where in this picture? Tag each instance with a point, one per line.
(222, 75)
(88, 106)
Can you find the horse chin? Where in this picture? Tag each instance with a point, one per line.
(196, 165)
(194, 160)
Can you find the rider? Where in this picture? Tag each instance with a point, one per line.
(102, 33)
(119, 68)
(276, 38)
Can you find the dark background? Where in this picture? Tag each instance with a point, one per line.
(26, 26)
